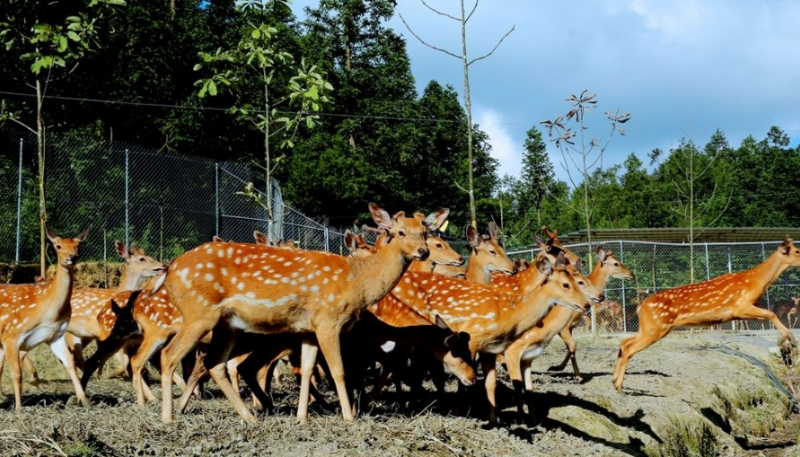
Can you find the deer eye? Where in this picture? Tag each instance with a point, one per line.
(616, 264)
(142, 259)
(493, 252)
(580, 283)
(58, 246)
(439, 245)
(401, 233)
(566, 285)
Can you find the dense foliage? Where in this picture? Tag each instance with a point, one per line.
(378, 139)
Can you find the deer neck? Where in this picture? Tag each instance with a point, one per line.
(376, 275)
(768, 271)
(598, 277)
(425, 266)
(129, 281)
(529, 280)
(477, 273)
(529, 309)
(59, 290)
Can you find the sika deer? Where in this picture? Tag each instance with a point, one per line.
(722, 299)
(607, 267)
(487, 256)
(241, 287)
(32, 314)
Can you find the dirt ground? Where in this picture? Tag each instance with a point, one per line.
(692, 394)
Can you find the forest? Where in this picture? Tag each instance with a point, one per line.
(375, 138)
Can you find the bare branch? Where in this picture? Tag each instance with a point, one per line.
(424, 42)
(460, 188)
(440, 13)
(473, 10)
(493, 49)
(22, 124)
(730, 196)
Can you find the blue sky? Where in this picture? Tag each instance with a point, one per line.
(683, 68)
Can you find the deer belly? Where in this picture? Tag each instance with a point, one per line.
(533, 351)
(44, 333)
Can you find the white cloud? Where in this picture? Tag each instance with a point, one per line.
(675, 20)
(504, 148)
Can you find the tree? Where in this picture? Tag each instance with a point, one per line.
(463, 19)
(585, 155)
(691, 173)
(537, 173)
(259, 57)
(53, 38)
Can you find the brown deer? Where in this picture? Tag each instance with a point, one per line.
(32, 314)
(607, 267)
(722, 299)
(243, 287)
(493, 318)
(89, 301)
(487, 256)
(791, 316)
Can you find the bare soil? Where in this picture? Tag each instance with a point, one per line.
(692, 394)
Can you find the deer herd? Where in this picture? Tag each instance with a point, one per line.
(229, 310)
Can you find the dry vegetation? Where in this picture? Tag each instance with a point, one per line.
(684, 398)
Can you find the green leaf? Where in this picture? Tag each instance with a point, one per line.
(256, 34)
(309, 122)
(73, 36)
(62, 43)
(212, 88)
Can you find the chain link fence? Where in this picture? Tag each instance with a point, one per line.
(659, 266)
(169, 203)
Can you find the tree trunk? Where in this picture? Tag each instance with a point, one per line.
(468, 104)
(268, 162)
(40, 148)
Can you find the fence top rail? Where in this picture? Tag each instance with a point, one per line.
(652, 243)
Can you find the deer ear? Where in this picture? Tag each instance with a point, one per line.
(601, 253)
(493, 231)
(436, 218)
(441, 323)
(380, 216)
(786, 246)
(399, 215)
(544, 265)
(579, 265)
(261, 238)
(350, 241)
(561, 260)
(51, 235)
(122, 250)
(136, 250)
(82, 236)
(216, 239)
(472, 237)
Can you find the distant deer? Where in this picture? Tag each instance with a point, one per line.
(32, 314)
(722, 299)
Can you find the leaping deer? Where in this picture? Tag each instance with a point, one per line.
(728, 297)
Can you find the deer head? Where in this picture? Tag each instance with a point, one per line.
(790, 254)
(487, 251)
(589, 290)
(552, 241)
(458, 356)
(408, 233)
(615, 269)
(137, 262)
(68, 249)
(357, 246)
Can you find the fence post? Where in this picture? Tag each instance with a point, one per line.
(708, 267)
(624, 302)
(216, 196)
(730, 269)
(127, 201)
(327, 241)
(19, 199)
(763, 257)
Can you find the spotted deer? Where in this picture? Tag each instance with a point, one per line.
(87, 302)
(791, 316)
(494, 318)
(487, 256)
(260, 289)
(520, 353)
(32, 314)
(157, 321)
(607, 267)
(722, 299)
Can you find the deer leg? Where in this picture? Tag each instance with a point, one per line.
(308, 358)
(148, 347)
(222, 342)
(328, 339)
(105, 349)
(513, 357)
(630, 347)
(199, 373)
(572, 346)
(61, 350)
(253, 369)
(569, 342)
(123, 364)
(28, 366)
(184, 341)
(12, 354)
(754, 312)
(489, 365)
(232, 367)
(75, 345)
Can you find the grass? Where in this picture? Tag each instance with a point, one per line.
(685, 438)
